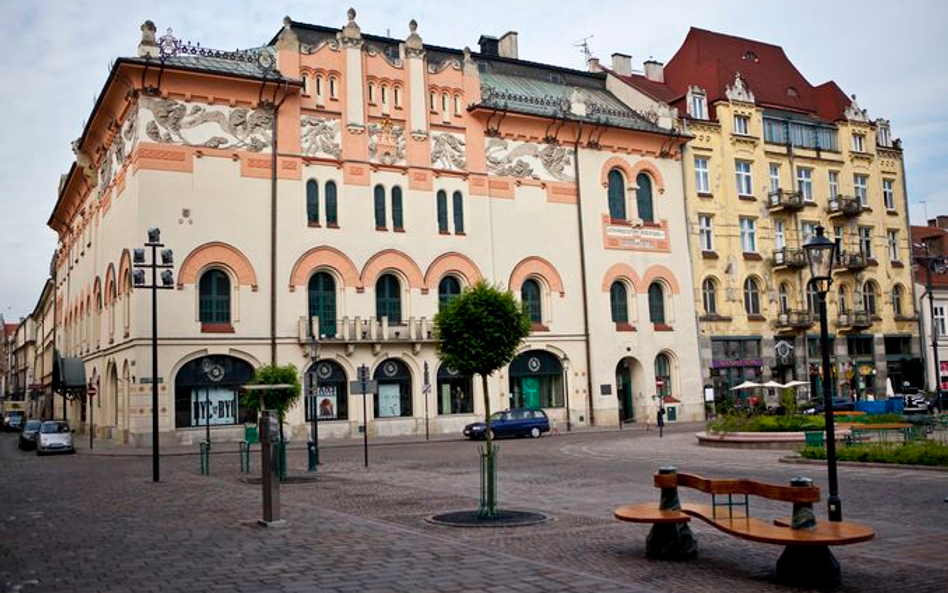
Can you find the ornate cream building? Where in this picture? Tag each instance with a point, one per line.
(325, 192)
(773, 157)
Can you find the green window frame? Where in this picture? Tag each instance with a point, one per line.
(530, 295)
(380, 207)
(616, 195)
(398, 218)
(448, 289)
(312, 202)
(643, 197)
(322, 303)
(656, 303)
(388, 299)
(458, 213)
(619, 302)
(214, 297)
(442, 211)
(332, 206)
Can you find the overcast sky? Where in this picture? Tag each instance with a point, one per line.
(54, 58)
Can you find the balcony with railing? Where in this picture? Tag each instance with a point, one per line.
(788, 257)
(854, 261)
(371, 330)
(844, 206)
(794, 319)
(854, 320)
(784, 200)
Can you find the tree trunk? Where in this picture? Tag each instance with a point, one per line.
(489, 511)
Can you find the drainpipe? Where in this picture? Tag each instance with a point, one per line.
(273, 232)
(582, 275)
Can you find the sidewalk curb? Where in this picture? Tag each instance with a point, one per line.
(801, 461)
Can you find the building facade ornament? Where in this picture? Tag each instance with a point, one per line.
(549, 162)
(854, 113)
(414, 48)
(172, 122)
(351, 34)
(448, 151)
(320, 136)
(387, 143)
(739, 91)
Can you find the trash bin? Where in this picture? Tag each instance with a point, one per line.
(814, 438)
(251, 435)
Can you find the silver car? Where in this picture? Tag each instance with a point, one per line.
(54, 437)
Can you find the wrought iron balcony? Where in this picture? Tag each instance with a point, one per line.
(350, 330)
(844, 206)
(855, 261)
(796, 319)
(791, 258)
(854, 320)
(785, 200)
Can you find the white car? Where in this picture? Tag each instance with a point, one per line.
(54, 436)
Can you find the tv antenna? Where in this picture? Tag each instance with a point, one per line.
(584, 44)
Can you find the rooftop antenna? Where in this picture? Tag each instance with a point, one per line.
(584, 44)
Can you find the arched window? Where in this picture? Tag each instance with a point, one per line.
(322, 303)
(536, 380)
(843, 300)
(319, 86)
(709, 296)
(448, 288)
(869, 298)
(379, 207)
(455, 392)
(663, 375)
(897, 293)
(214, 380)
(458, 213)
(751, 297)
(656, 303)
(619, 301)
(783, 294)
(371, 93)
(312, 202)
(442, 212)
(616, 195)
(397, 94)
(388, 299)
(398, 220)
(332, 208)
(530, 295)
(332, 87)
(214, 290)
(330, 400)
(394, 389)
(384, 93)
(643, 197)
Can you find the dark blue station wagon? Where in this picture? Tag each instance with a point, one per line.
(517, 422)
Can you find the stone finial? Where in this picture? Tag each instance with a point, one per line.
(413, 43)
(351, 13)
(351, 34)
(287, 38)
(287, 22)
(148, 46)
(739, 91)
(854, 113)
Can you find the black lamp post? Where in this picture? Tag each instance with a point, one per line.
(314, 399)
(821, 255)
(936, 264)
(167, 282)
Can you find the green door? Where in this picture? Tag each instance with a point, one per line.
(531, 392)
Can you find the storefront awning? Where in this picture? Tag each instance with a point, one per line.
(69, 374)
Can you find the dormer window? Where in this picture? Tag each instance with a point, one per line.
(697, 103)
(741, 125)
(859, 143)
(554, 77)
(750, 56)
(883, 134)
(792, 92)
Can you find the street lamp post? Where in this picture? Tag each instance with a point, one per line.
(167, 282)
(314, 401)
(569, 423)
(821, 255)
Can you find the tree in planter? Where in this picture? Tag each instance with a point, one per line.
(281, 399)
(477, 333)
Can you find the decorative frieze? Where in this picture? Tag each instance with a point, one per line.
(387, 143)
(544, 162)
(320, 137)
(169, 121)
(448, 151)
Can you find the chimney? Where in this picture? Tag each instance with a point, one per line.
(148, 47)
(940, 222)
(507, 45)
(488, 45)
(655, 71)
(593, 65)
(622, 64)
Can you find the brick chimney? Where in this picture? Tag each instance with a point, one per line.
(507, 45)
(940, 221)
(655, 71)
(593, 65)
(622, 64)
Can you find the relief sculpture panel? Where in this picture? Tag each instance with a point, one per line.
(543, 162)
(387, 143)
(320, 136)
(168, 121)
(448, 151)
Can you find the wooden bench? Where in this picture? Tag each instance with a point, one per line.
(806, 559)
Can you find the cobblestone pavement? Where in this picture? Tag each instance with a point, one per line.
(97, 523)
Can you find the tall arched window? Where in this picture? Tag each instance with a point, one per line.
(530, 295)
(380, 207)
(388, 299)
(619, 301)
(393, 399)
(442, 212)
(656, 303)
(458, 213)
(448, 288)
(398, 219)
(869, 297)
(783, 294)
(332, 208)
(616, 195)
(663, 374)
(812, 299)
(897, 294)
(843, 300)
(751, 297)
(214, 290)
(643, 197)
(312, 202)
(709, 296)
(322, 303)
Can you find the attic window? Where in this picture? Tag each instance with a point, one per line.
(554, 77)
(750, 56)
(792, 92)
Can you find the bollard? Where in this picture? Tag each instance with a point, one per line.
(803, 515)
(807, 566)
(313, 456)
(670, 540)
(205, 458)
(280, 447)
(244, 457)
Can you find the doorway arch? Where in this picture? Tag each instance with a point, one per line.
(629, 377)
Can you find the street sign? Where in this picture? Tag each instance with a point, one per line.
(356, 387)
(92, 390)
(659, 382)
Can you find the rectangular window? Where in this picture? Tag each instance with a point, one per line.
(865, 240)
(892, 239)
(706, 232)
(939, 321)
(859, 143)
(741, 125)
(774, 177)
(805, 183)
(807, 230)
(834, 184)
(748, 235)
(780, 240)
(702, 176)
(861, 185)
(697, 106)
(888, 194)
(838, 234)
(745, 183)
(458, 204)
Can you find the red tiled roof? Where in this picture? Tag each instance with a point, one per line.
(935, 241)
(10, 328)
(657, 90)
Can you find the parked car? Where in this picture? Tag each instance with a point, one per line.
(840, 404)
(13, 421)
(55, 436)
(30, 432)
(517, 422)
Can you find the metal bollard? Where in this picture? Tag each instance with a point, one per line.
(281, 459)
(244, 457)
(313, 456)
(205, 458)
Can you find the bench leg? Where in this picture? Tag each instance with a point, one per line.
(670, 541)
(808, 566)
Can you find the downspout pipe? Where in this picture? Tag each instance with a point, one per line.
(274, 157)
(582, 275)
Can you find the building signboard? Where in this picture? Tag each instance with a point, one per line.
(636, 238)
(726, 364)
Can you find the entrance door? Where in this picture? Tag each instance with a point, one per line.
(624, 391)
(530, 386)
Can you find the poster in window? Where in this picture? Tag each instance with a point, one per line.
(326, 402)
(390, 400)
(213, 405)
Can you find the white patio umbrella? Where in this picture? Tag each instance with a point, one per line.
(746, 385)
(796, 384)
(889, 392)
(773, 385)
